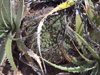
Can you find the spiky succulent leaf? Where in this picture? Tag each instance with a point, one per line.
(2, 34)
(1, 21)
(20, 43)
(77, 62)
(9, 9)
(73, 59)
(7, 6)
(83, 68)
(82, 55)
(94, 21)
(90, 3)
(8, 49)
(79, 28)
(8, 15)
(94, 71)
(4, 11)
(88, 46)
(19, 15)
(4, 14)
(89, 12)
(98, 73)
(2, 51)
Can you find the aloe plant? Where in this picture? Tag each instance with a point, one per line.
(10, 30)
(9, 25)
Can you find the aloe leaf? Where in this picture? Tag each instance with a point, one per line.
(98, 69)
(9, 52)
(9, 9)
(71, 58)
(77, 62)
(4, 31)
(11, 20)
(90, 3)
(94, 71)
(88, 46)
(5, 14)
(13, 14)
(2, 52)
(7, 6)
(5, 22)
(94, 21)
(11, 36)
(89, 12)
(79, 28)
(83, 68)
(9, 14)
(5, 17)
(2, 34)
(13, 11)
(19, 14)
(93, 16)
(20, 43)
(86, 59)
(82, 47)
(24, 49)
(1, 21)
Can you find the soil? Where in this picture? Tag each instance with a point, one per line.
(24, 69)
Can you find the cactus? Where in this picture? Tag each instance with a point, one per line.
(82, 35)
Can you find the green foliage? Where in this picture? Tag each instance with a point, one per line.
(2, 51)
(82, 68)
(10, 30)
(87, 39)
(9, 24)
(8, 49)
(82, 36)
